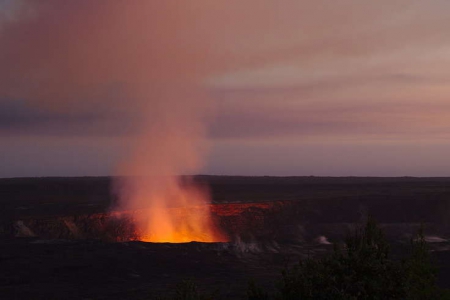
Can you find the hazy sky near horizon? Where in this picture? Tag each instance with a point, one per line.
(325, 88)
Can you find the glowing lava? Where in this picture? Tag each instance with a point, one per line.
(178, 212)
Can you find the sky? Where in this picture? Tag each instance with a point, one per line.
(270, 87)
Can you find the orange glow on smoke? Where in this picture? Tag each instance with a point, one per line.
(193, 225)
(177, 213)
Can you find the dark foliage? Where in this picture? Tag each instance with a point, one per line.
(420, 274)
(187, 290)
(255, 292)
(361, 269)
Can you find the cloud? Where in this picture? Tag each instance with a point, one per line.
(323, 111)
(17, 118)
(14, 10)
(103, 57)
(294, 70)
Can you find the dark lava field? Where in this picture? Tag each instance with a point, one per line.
(60, 240)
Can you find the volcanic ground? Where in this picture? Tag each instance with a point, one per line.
(60, 240)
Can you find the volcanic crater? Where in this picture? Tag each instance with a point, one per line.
(61, 239)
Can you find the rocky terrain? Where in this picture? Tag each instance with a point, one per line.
(59, 238)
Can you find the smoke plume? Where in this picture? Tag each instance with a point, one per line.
(142, 59)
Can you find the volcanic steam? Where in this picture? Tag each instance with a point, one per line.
(130, 72)
(171, 143)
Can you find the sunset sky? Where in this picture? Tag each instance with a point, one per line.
(277, 87)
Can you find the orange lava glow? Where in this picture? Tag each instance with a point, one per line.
(194, 228)
(180, 214)
(180, 225)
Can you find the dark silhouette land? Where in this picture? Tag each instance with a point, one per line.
(59, 238)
